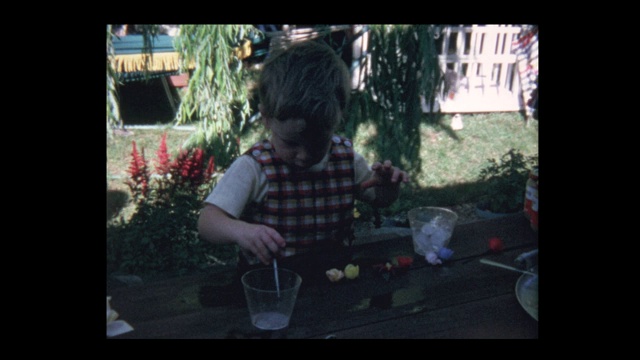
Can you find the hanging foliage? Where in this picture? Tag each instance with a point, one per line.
(113, 105)
(149, 32)
(431, 75)
(217, 97)
(404, 65)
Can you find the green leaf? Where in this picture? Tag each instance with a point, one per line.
(209, 73)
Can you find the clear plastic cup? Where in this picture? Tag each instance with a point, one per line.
(431, 227)
(271, 307)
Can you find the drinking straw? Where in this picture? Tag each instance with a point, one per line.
(493, 263)
(275, 275)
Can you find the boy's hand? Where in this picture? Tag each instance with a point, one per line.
(385, 174)
(264, 242)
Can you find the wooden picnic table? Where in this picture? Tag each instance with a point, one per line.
(462, 298)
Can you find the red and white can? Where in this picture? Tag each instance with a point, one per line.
(531, 198)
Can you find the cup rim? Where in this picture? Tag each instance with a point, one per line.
(297, 283)
(445, 210)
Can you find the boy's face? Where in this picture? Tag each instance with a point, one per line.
(298, 146)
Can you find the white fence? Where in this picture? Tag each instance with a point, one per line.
(480, 65)
(480, 69)
(484, 65)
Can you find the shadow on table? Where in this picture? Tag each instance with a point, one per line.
(312, 269)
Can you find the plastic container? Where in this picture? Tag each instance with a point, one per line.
(531, 191)
(431, 227)
(271, 302)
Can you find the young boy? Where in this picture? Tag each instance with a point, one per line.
(294, 193)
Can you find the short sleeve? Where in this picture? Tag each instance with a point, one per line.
(240, 185)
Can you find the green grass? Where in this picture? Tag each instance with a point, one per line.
(119, 149)
(450, 160)
(450, 157)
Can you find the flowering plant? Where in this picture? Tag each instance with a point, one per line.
(185, 175)
(161, 235)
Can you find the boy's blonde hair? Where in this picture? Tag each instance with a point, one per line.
(306, 81)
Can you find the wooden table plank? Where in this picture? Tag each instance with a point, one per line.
(371, 299)
(446, 299)
(474, 320)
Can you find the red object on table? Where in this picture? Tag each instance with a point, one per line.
(404, 261)
(496, 244)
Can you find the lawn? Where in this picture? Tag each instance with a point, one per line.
(450, 160)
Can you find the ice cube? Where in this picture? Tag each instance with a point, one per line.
(428, 229)
(423, 241)
(439, 237)
(434, 236)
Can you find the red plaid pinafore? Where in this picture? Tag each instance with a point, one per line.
(311, 210)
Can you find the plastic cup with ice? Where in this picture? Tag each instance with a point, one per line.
(432, 229)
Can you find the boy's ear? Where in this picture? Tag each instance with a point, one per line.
(261, 109)
(262, 115)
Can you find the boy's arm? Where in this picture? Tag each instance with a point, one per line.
(218, 227)
(386, 180)
(386, 195)
(219, 221)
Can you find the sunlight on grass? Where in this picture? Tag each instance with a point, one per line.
(449, 157)
(457, 156)
(119, 148)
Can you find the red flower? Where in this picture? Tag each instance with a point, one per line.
(210, 169)
(133, 166)
(162, 157)
(180, 167)
(403, 261)
(189, 167)
(186, 165)
(195, 175)
(138, 172)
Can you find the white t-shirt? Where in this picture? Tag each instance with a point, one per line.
(244, 183)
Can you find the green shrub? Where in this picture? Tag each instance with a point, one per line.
(161, 235)
(506, 180)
